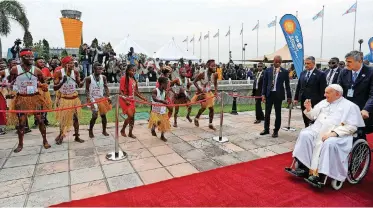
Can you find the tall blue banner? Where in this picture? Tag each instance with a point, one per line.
(293, 34)
(370, 43)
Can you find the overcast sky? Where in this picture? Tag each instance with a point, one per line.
(152, 23)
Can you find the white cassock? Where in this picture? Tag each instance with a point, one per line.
(329, 157)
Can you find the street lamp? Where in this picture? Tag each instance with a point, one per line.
(360, 42)
(244, 53)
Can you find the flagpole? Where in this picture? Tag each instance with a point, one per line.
(200, 46)
(242, 42)
(296, 14)
(218, 45)
(229, 44)
(275, 31)
(208, 45)
(353, 45)
(257, 41)
(322, 28)
(187, 43)
(193, 44)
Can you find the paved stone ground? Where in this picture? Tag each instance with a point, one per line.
(39, 177)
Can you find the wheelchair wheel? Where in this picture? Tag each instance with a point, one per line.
(337, 184)
(358, 161)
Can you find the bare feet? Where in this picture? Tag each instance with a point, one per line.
(189, 119)
(153, 133)
(163, 138)
(105, 133)
(132, 136)
(46, 145)
(175, 124)
(77, 139)
(123, 133)
(59, 139)
(212, 127)
(18, 149)
(91, 134)
(196, 122)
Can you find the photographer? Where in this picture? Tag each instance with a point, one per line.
(84, 59)
(16, 49)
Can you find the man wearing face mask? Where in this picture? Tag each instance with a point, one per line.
(273, 93)
(311, 85)
(332, 73)
(357, 84)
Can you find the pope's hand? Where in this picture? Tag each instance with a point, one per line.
(326, 136)
(365, 114)
(307, 104)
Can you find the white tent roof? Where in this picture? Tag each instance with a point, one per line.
(172, 52)
(124, 47)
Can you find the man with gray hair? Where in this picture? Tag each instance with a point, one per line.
(311, 86)
(323, 147)
(357, 84)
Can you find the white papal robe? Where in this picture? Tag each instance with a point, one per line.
(329, 157)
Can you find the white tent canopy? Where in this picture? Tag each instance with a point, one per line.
(172, 52)
(124, 47)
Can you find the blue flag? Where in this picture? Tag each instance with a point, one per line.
(294, 38)
(370, 43)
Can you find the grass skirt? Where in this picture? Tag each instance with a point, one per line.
(159, 120)
(47, 97)
(103, 106)
(206, 104)
(34, 102)
(65, 117)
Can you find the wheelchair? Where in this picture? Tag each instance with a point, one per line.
(358, 164)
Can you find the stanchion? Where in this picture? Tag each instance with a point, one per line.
(289, 128)
(234, 106)
(117, 154)
(220, 138)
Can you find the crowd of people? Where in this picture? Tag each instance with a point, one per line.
(335, 102)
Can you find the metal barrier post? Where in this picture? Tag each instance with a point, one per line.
(117, 154)
(220, 138)
(234, 106)
(289, 128)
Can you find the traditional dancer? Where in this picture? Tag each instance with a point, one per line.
(204, 92)
(158, 116)
(182, 92)
(66, 81)
(40, 63)
(129, 89)
(3, 93)
(166, 72)
(97, 91)
(26, 79)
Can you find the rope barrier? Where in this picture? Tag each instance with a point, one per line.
(53, 110)
(242, 96)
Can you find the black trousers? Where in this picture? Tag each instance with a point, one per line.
(110, 77)
(259, 115)
(273, 100)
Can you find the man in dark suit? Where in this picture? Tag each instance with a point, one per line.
(273, 93)
(311, 85)
(333, 72)
(257, 91)
(357, 84)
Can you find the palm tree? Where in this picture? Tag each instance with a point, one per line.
(11, 10)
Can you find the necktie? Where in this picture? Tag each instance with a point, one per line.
(330, 76)
(354, 76)
(308, 76)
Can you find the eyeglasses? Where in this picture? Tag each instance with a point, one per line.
(332, 62)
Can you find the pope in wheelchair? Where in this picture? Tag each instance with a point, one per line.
(323, 149)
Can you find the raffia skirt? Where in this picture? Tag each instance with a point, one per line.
(65, 117)
(159, 120)
(103, 105)
(206, 104)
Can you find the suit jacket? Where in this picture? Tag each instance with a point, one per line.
(313, 89)
(258, 92)
(282, 78)
(336, 75)
(363, 87)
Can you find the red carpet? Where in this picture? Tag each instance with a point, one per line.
(257, 183)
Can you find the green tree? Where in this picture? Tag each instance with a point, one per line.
(46, 53)
(38, 48)
(11, 10)
(27, 39)
(64, 53)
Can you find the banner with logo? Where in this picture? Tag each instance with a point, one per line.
(370, 43)
(294, 38)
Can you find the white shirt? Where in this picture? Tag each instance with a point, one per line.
(357, 73)
(257, 79)
(310, 73)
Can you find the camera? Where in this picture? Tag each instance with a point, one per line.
(18, 42)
